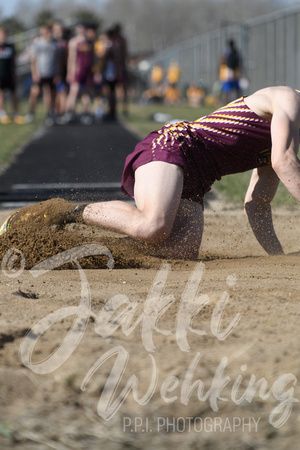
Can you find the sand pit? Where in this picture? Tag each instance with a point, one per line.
(190, 338)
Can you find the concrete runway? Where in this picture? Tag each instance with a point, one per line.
(82, 163)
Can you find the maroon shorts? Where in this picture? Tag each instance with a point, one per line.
(84, 76)
(156, 147)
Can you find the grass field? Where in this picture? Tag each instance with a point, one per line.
(14, 137)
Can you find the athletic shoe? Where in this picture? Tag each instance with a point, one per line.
(20, 216)
(29, 118)
(19, 120)
(5, 119)
(68, 118)
(86, 119)
(50, 120)
(7, 224)
(56, 211)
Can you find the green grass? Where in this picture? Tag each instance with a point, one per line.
(140, 116)
(232, 187)
(4, 431)
(13, 136)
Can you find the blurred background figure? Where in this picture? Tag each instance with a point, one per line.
(173, 73)
(110, 74)
(121, 56)
(79, 74)
(98, 70)
(230, 71)
(61, 37)
(8, 80)
(44, 70)
(172, 94)
(195, 95)
(157, 75)
(91, 32)
(155, 93)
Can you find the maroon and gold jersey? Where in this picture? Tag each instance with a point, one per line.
(84, 61)
(230, 140)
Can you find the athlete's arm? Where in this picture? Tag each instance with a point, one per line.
(285, 141)
(71, 63)
(262, 188)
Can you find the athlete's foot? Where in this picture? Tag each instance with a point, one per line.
(51, 212)
(9, 221)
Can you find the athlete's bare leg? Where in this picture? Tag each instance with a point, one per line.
(161, 223)
(72, 97)
(14, 101)
(86, 102)
(1, 100)
(186, 235)
(158, 187)
(34, 93)
(168, 225)
(49, 95)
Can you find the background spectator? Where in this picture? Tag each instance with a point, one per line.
(79, 72)
(8, 79)
(60, 36)
(44, 69)
(110, 74)
(230, 66)
(121, 55)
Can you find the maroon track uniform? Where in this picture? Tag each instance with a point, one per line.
(232, 139)
(84, 62)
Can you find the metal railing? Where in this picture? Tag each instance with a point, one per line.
(269, 45)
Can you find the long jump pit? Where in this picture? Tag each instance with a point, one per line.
(102, 346)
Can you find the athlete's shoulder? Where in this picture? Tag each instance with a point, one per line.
(277, 93)
(265, 102)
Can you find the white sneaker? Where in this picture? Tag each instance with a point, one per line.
(86, 119)
(68, 117)
(29, 118)
(50, 120)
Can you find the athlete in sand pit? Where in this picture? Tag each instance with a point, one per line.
(171, 169)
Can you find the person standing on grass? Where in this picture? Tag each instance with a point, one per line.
(60, 36)
(121, 56)
(8, 79)
(79, 72)
(172, 168)
(44, 70)
(110, 75)
(230, 72)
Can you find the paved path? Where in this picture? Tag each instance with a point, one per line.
(73, 161)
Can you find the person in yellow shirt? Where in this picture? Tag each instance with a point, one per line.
(174, 73)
